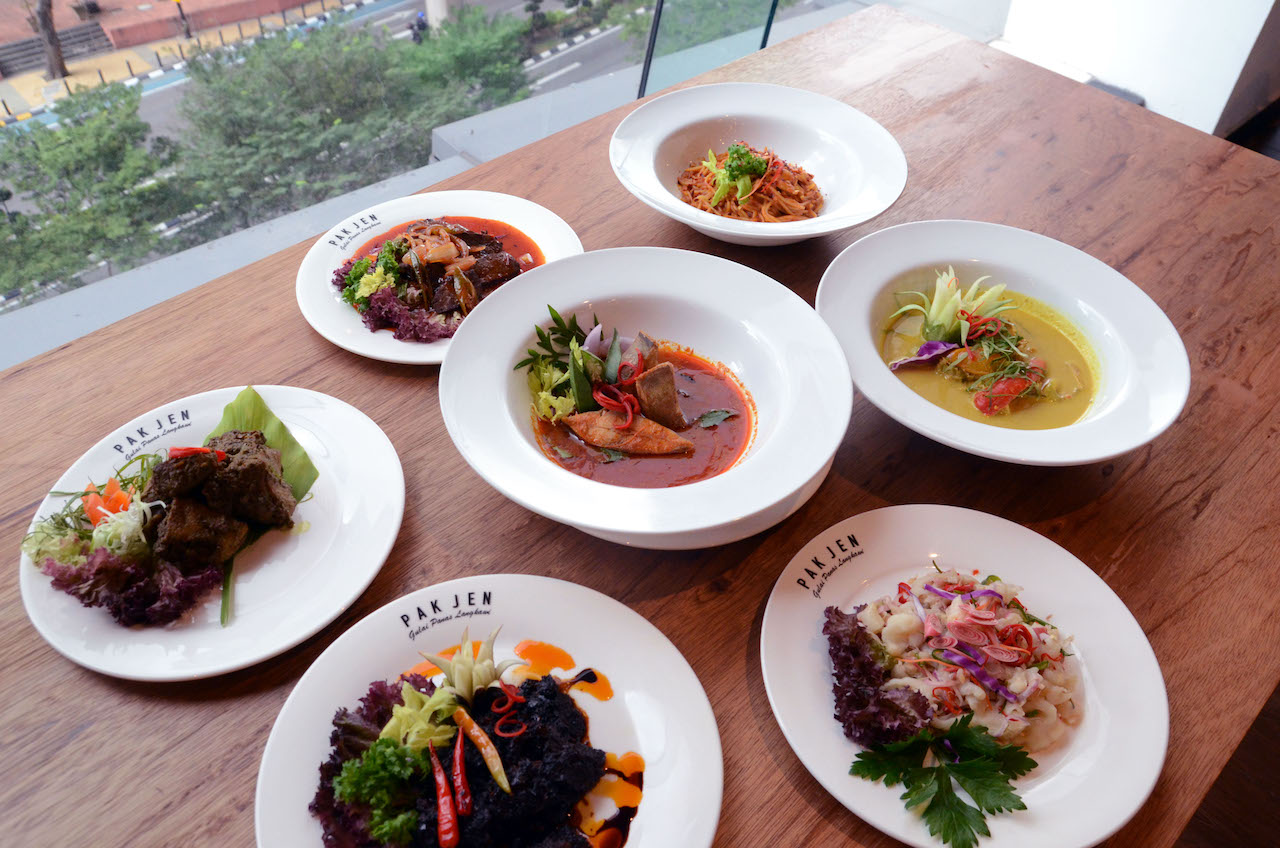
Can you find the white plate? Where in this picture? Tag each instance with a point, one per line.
(1145, 375)
(288, 585)
(659, 709)
(321, 302)
(780, 350)
(1082, 791)
(857, 165)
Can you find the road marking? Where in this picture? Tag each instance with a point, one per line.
(403, 34)
(132, 81)
(528, 62)
(549, 77)
(564, 45)
(22, 116)
(159, 72)
(594, 32)
(546, 54)
(578, 39)
(348, 7)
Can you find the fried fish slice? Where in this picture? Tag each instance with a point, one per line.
(659, 400)
(600, 429)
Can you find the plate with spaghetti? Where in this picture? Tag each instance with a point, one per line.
(737, 162)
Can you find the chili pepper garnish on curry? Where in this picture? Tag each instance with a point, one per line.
(515, 768)
(637, 412)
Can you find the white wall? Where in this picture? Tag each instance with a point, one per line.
(1184, 57)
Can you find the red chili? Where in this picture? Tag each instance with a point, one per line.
(904, 593)
(636, 370)
(615, 400)
(1009, 636)
(512, 697)
(509, 717)
(446, 818)
(1002, 393)
(962, 588)
(176, 453)
(461, 789)
(950, 701)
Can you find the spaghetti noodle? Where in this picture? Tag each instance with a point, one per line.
(772, 190)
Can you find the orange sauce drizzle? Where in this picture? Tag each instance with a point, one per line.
(618, 788)
(429, 669)
(543, 657)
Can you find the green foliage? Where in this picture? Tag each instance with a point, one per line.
(690, 22)
(286, 123)
(98, 187)
(982, 766)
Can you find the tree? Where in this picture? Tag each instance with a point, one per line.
(288, 122)
(52, 46)
(97, 185)
(690, 23)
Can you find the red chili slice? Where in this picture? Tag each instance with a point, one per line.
(177, 453)
(509, 733)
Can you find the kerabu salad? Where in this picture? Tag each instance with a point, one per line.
(951, 678)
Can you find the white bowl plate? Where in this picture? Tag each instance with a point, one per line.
(321, 302)
(781, 352)
(1083, 790)
(659, 709)
(288, 584)
(1144, 374)
(857, 165)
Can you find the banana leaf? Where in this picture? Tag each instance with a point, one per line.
(250, 412)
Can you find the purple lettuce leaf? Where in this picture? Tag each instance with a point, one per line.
(146, 593)
(339, 279)
(927, 352)
(869, 715)
(387, 311)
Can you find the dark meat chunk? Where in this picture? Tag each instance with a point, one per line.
(248, 484)
(178, 476)
(490, 271)
(194, 536)
(659, 400)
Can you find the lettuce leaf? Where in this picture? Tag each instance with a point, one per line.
(250, 412)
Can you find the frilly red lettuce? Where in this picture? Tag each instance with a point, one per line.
(154, 592)
(387, 311)
(869, 715)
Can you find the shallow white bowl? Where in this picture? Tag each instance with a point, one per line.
(321, 302)
(856, 163)
(767, 335)
(1144, 374)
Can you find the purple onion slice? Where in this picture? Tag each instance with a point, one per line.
(927, 352)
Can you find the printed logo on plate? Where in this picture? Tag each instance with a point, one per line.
(445, 609)
(840, 550)
(131, 442)
(344, 235)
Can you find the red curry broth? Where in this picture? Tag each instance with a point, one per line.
(513, 240)
(703, 386)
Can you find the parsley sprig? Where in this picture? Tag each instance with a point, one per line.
(963, 755)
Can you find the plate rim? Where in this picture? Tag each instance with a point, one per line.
(1138, 801)
(28, 575)
(706, 713)
(415, 353)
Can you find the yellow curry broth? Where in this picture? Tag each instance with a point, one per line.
(1068, 359)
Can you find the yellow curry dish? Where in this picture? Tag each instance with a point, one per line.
(990, 355)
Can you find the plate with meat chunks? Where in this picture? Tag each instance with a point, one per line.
(212, 533)
(395, 281)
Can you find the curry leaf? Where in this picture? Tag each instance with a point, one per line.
(611, 455)
(714, 417)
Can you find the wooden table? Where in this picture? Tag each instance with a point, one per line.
(1184, 529)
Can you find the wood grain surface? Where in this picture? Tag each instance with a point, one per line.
(1184, 529)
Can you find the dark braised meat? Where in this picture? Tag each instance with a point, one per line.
(178, 476)
(249, 483)
(194, 536)
(490, 271)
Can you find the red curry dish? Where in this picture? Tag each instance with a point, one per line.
(642, 412)
(420, 279)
